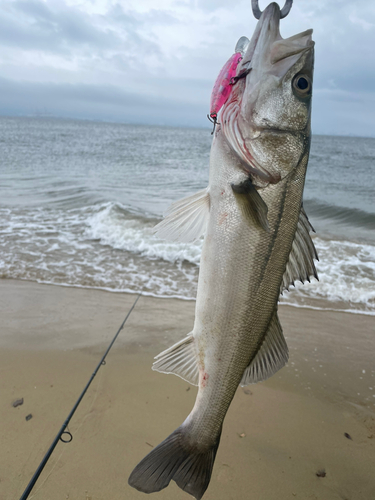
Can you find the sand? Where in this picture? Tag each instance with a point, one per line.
(277, 435)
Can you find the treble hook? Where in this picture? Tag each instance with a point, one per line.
(283, 13)
(235, 79)
(213, 119)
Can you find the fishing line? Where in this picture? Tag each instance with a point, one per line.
(63, 434)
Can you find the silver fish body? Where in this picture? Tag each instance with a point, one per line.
(256, 244)
(239, 289)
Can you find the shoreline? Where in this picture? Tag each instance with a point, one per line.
(277, 435)
(191, 299)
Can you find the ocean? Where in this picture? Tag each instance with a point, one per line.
(79, 199)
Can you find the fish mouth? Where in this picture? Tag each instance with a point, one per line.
(267, 40)
(268, 55)
(267, 26)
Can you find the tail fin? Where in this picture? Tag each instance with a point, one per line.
(175, 458)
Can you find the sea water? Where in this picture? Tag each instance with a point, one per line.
(79, 199)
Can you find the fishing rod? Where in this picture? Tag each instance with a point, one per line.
(63, 432)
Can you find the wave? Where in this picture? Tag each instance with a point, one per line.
(112, 226)
(108, 246)
(346, 269)
(345, 215)
(346, 276)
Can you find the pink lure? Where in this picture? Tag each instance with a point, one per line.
(222, 87)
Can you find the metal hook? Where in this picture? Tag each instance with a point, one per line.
(283, 13)
(235, 79)
(213, 119)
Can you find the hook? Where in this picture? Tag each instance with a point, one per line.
(213, 119)
(283, 13)
(235, 79)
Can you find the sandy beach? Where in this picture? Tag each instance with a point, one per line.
(316, 416)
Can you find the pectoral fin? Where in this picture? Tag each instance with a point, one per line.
(252, 205)
(271, 356)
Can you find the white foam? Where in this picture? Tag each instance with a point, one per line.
(346, 269)
(346, 274)
(134, 235)
(106, 247)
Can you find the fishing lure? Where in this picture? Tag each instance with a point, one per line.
(224, 82)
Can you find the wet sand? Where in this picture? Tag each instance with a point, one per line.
(277, 435)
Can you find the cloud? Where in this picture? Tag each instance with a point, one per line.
(160, 63)
(97, 102)
(361, 22)
(33, 25)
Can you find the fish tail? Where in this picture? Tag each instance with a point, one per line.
(176, 458)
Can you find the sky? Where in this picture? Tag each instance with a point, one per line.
(142, 61)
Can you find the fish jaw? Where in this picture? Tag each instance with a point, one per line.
(267, 119)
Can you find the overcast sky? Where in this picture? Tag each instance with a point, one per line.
(148, 61)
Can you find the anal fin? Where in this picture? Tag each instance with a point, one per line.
(179, 359)
(271, 356)
(252, 204)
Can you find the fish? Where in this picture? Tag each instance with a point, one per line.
(257, 243)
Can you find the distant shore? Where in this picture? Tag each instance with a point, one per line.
(315, 415)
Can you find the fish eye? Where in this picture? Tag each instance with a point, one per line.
(302, 85)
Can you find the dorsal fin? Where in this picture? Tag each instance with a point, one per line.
(300, 266)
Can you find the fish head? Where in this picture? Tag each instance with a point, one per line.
(267, 119)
